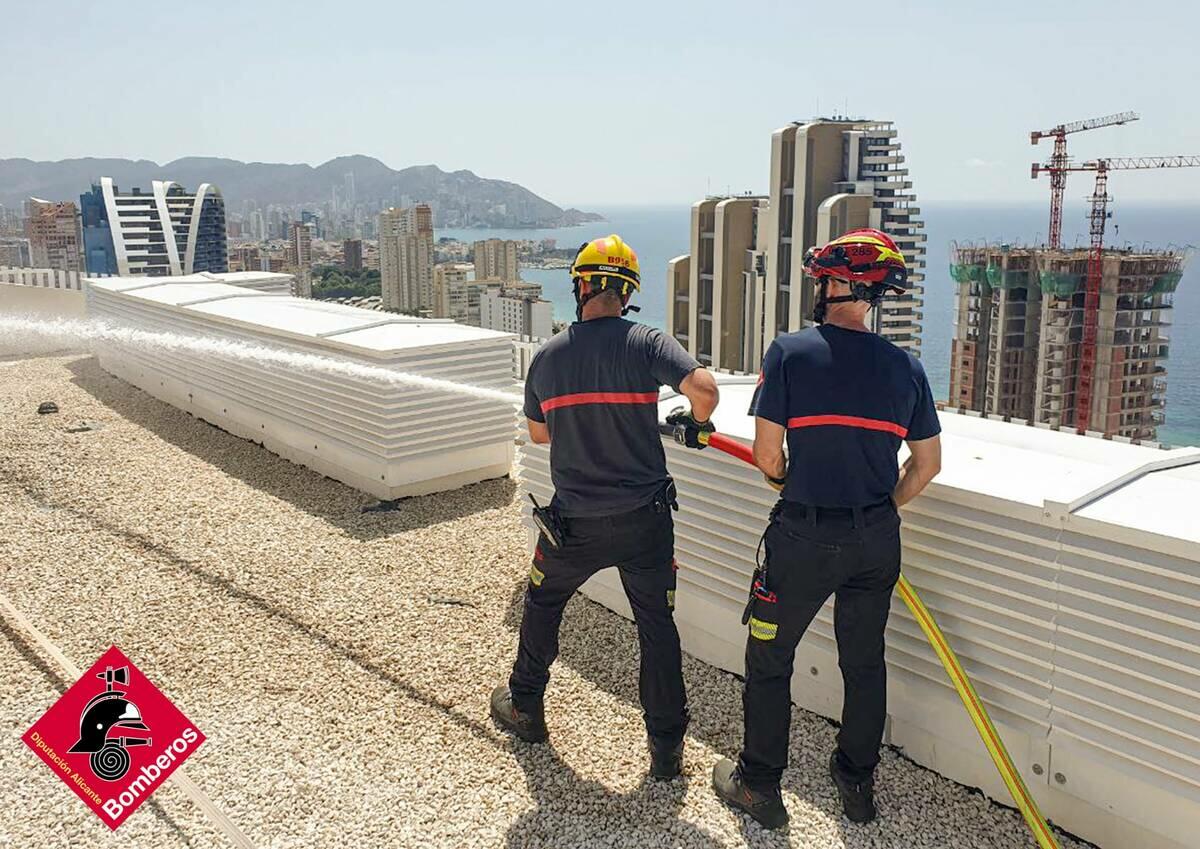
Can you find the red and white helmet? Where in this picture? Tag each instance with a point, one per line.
(863, 256)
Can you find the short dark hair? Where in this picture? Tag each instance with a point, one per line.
(610, 294)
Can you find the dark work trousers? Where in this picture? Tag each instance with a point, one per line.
(811, 553)
(641, 544)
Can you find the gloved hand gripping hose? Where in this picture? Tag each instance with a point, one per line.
(958, 677)
(688, 431)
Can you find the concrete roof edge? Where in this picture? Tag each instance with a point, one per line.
(1174, 459)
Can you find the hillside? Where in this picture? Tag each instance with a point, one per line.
(459, 198)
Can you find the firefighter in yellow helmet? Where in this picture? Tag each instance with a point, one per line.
(592, 395)
(603, 265)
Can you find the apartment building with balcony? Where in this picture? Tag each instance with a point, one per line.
(406, 258)
(714, 289)
(743, 282)
(451, 292)
(55, 237)
(496, 259)
(167, 231)
(520, 314)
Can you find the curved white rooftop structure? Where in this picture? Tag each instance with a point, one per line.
(389, 439)
(1065, 571)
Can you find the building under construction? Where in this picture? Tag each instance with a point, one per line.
(1019, 349)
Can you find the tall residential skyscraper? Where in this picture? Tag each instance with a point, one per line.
(713, 289)
(496, 259)
(301, 247)
(55, 238)
(300, 257)
(168, 231)
(406, 258)
(258, 226)
(743, 282)
(1018, 331)
(352, 255)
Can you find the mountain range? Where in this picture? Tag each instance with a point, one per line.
(458, 198)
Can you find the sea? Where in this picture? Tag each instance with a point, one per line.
(659, 233)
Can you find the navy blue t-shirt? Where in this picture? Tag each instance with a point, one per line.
(595, 385)
(847, 399)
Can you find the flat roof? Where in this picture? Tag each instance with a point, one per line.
(122, 284)
(332, 324)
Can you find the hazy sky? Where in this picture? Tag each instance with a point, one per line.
(605, 103)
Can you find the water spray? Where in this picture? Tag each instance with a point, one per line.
(19, 334)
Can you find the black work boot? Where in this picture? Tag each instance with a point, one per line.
(666, 759)
(529, 726)
(858, 797)
(766, 807)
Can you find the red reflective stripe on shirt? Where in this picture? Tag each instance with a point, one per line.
(599, 398)
(849, 421)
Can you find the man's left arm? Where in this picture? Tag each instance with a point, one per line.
(923, 463)
(924, 443)
(539, 433)
(770, 409)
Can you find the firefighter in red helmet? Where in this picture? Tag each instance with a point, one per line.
(843, 399)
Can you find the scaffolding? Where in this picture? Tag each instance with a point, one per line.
(994, 365)
(1018, 341)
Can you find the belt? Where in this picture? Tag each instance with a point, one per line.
(854, 516)
(662, 503)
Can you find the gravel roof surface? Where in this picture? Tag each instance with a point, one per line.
(340, 662)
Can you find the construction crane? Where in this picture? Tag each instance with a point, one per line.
(1059, 163)
(1097, 218)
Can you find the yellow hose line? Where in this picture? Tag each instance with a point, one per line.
(979, 716)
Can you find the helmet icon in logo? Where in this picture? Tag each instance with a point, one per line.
(109, 759)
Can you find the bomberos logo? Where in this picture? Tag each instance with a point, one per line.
(115, 746)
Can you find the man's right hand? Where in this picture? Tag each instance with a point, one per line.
(688, 431)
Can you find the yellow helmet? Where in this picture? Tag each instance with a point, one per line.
(602, 264)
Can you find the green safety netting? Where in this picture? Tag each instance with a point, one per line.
(1061, 285)
(1166, 283)
(999, 278)
(965, 273)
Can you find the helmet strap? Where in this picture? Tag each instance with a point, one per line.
(818, 313)
(582, 299)
(871, 293)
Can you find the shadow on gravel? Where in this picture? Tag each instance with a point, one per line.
(572, 811)
(569, 811)
(163, 555)
(303, 488)
(60, 684)
(602, 647)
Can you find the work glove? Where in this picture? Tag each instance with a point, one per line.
(688, 431)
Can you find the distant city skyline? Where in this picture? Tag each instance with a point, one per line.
(679, 107)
